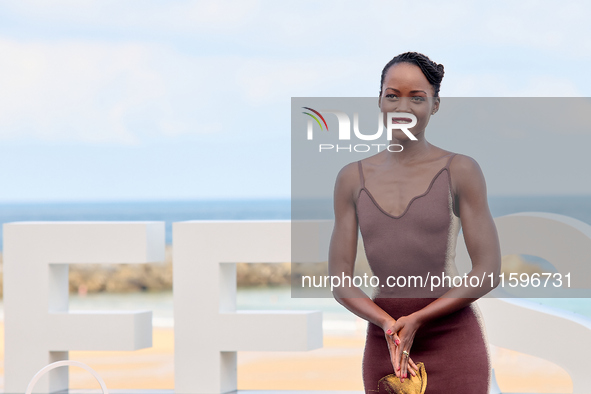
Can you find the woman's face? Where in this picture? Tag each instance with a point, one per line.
(406, 89)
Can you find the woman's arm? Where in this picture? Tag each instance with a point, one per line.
(343, 249)
(341, 261)
(481, 238)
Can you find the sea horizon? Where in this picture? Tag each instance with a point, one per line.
(577, 206)
(236, 199)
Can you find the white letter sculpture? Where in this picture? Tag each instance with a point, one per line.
(207, 328)
(526, 326)
(39, 330)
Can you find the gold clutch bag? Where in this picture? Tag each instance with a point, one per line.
(412, 385)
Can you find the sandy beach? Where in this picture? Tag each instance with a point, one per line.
(336, 366)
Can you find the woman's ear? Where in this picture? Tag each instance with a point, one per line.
(435, 106)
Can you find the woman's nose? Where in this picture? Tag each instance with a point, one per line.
(403, 105)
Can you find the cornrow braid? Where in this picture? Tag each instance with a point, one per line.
(433, 71)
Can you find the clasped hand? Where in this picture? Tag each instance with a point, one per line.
(400, 335)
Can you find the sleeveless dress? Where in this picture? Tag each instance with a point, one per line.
(453, 348)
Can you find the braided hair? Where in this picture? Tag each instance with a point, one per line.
(433, 71)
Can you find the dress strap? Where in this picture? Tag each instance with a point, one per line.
(451, 156)
(361, 174)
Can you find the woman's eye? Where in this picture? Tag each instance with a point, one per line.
(390, 95)
(418, 98)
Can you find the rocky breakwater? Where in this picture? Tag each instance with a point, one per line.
(155, 277)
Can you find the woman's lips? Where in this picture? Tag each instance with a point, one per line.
(401, 120)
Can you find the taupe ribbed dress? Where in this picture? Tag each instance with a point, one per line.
(454, 348)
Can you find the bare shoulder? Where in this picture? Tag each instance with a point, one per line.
(466, 173)
(464, 164)
(348, 181)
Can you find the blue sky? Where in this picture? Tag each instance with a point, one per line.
(151, 100)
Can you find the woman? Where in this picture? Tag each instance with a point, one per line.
(410, 205)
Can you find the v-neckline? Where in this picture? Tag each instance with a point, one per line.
(410, 202)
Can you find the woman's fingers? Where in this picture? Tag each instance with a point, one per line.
(396, 339)
(413, 367)
(399, 359)
(397, 365)
(392, 349)
(403, 366)
(400, 362)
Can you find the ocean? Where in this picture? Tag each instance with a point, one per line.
(167, 211)
(578, 207)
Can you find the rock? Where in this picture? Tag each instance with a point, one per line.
(125, 278)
